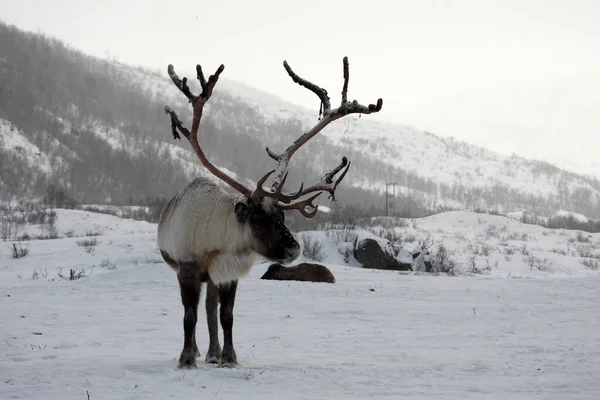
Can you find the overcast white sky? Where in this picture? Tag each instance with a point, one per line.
(435, 63)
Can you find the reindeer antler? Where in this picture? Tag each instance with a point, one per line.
(283, 201)
(198, 106)
(328, 115)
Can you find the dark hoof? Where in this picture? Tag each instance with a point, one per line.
(228, 359)
(213, 358)
(187, 361)
(213, 355)
(227, 364)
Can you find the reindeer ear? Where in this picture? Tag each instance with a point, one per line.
(242, 211)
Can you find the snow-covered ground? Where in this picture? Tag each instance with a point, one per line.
(117, 333)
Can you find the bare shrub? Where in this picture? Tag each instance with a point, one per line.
(312, 249)
(487, 267)
(9, 227)
(512, 236)
(473, 248)
(389, 222)
(391, 235)
(89, 232)
(442, 260)
(476, 269)
(36, 274)
(460, 236)
(585, 251)
(591, 264)
(346, 252)
(51, 224)
(510, 250)
(582, 238)
(472, 260)
(559, 251)
(75, 274)
(18, 251)
(108, 265)
(503, 241)
(535, 262)
(486, 249)
(524, 250)
(425, 243)
(491, 231)
(409, 237)
(88, 244)
(340, 235)
(24, 237)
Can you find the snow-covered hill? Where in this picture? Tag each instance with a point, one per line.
(116, 332)
(98, 129)
(442, 160)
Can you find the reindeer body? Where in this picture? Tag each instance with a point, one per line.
(198, 227)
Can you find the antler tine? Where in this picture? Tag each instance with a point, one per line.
(319, 91)
(277, 194)
(176, 124)
(181, 84)
(301, 206)
(346, 78)
(327, 184)
(329, 176)
(198, 106)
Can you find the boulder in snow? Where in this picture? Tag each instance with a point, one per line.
(306, 272)
(377, 253)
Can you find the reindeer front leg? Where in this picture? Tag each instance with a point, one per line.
(227, 299)
(213, 356)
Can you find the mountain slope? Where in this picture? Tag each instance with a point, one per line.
(100, 131)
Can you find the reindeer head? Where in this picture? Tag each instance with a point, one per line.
(265, 229)
(261, 210)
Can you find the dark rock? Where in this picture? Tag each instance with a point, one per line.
(371, 253)
(305, 272)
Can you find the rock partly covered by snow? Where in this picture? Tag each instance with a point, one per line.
(375, 252)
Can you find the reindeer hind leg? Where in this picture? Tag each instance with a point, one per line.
(190, 287)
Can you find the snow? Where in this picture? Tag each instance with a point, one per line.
(13, 140)
(117, 333)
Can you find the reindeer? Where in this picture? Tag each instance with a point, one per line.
(208, 235)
